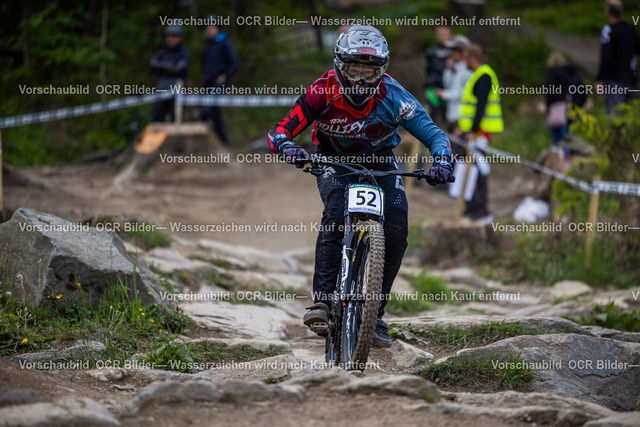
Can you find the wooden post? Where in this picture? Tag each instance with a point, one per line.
(177, 103)
(593, 219)
(457, 213)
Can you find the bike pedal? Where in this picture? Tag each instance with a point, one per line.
(319, 327)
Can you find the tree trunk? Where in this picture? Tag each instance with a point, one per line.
(103, 47)
(317, 28)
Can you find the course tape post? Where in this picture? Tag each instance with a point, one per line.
(623, 188)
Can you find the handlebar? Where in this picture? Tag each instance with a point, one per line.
(419, 174)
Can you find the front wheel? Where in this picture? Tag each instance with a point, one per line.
(363, 298)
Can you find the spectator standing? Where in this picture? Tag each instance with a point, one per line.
(219, 63)
(436, 63)
(480, 116)
(171, 63)
(561, 77)
(618, 50)
(454, 79)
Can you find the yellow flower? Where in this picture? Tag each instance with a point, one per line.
(142, 314)
(59, 296)
(159, 330)
(48, 296)
(24, 341)
(117, 311)
(149, 292)
(137, 317)
(197, 324)
(151, 320)
(78, 284)
(139, 309)
(144, 355)
(155, 304)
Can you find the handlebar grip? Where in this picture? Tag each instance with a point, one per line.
(451, 178)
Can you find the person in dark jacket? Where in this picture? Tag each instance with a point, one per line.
(564, 84)
(618, 50)
(219, 64)
(437, 57)
(171, 64)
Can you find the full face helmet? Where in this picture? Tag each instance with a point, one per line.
(360, 59)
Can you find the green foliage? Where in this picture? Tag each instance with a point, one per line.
(485, 373)
(525, 134)
(427, 288)
(120, 320)
(544, 259)
(611, 316)
(518, 59)
(175, 356)
(453, 337)
(146, 235)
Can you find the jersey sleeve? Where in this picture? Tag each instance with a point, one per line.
(413, 117)
(304, 112)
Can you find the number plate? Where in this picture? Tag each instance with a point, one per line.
(366, 199)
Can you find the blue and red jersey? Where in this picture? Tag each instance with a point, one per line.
(341, 129)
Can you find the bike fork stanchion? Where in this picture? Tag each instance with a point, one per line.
(457, 213)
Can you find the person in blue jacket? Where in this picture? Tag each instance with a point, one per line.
(356, 110)
(219, 63)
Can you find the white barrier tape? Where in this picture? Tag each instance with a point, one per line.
(598, 186)
(82, 110)
(114, 104)
(618, 188)
(238, 100)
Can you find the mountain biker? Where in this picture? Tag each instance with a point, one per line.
(356, 110)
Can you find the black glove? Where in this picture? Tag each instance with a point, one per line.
(441, 168)
(293, 153)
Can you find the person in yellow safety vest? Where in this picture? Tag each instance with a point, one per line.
(480, 116)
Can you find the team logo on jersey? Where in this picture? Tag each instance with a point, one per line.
(407, 110)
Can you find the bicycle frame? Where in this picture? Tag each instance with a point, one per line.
(370, 200)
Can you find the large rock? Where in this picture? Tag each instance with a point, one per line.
(68, 411)
(407, 356)
(45, 257)
(268, 370)
(337, 380)
(238, 393)
(240, 320)
(428, 323)
(614, 334)
(589, 368)
(626, 419)
(90, 350)
(565, 410)
(570, 289)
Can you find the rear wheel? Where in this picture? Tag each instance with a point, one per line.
(361, 308)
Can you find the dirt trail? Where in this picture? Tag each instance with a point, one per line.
(227, 194)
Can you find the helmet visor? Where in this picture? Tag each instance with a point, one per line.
(361, 70)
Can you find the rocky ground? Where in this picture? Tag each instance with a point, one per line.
(295, 388)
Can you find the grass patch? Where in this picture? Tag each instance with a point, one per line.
(147, 236)
(176, 356)
(427, 289)
(120, 321)
(487, 373)
(547, 258)
(452, 337)
(610, 316)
